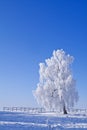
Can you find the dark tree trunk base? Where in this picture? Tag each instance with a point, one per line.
(64, 110)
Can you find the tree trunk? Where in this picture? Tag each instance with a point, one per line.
(64, 110)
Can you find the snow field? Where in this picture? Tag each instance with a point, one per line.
(42, 121)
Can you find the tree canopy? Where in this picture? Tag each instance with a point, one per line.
(56, 89)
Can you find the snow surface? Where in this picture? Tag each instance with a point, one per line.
(42, 121)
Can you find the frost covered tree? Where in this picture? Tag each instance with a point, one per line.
(56, 89)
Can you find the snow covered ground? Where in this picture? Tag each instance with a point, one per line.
(42, 121)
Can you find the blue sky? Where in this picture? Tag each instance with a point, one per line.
(29, 32)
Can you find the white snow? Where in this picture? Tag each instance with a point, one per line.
(42, 121)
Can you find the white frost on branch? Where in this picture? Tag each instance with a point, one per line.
(56, 87)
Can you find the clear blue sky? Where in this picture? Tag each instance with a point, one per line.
(29, 32)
